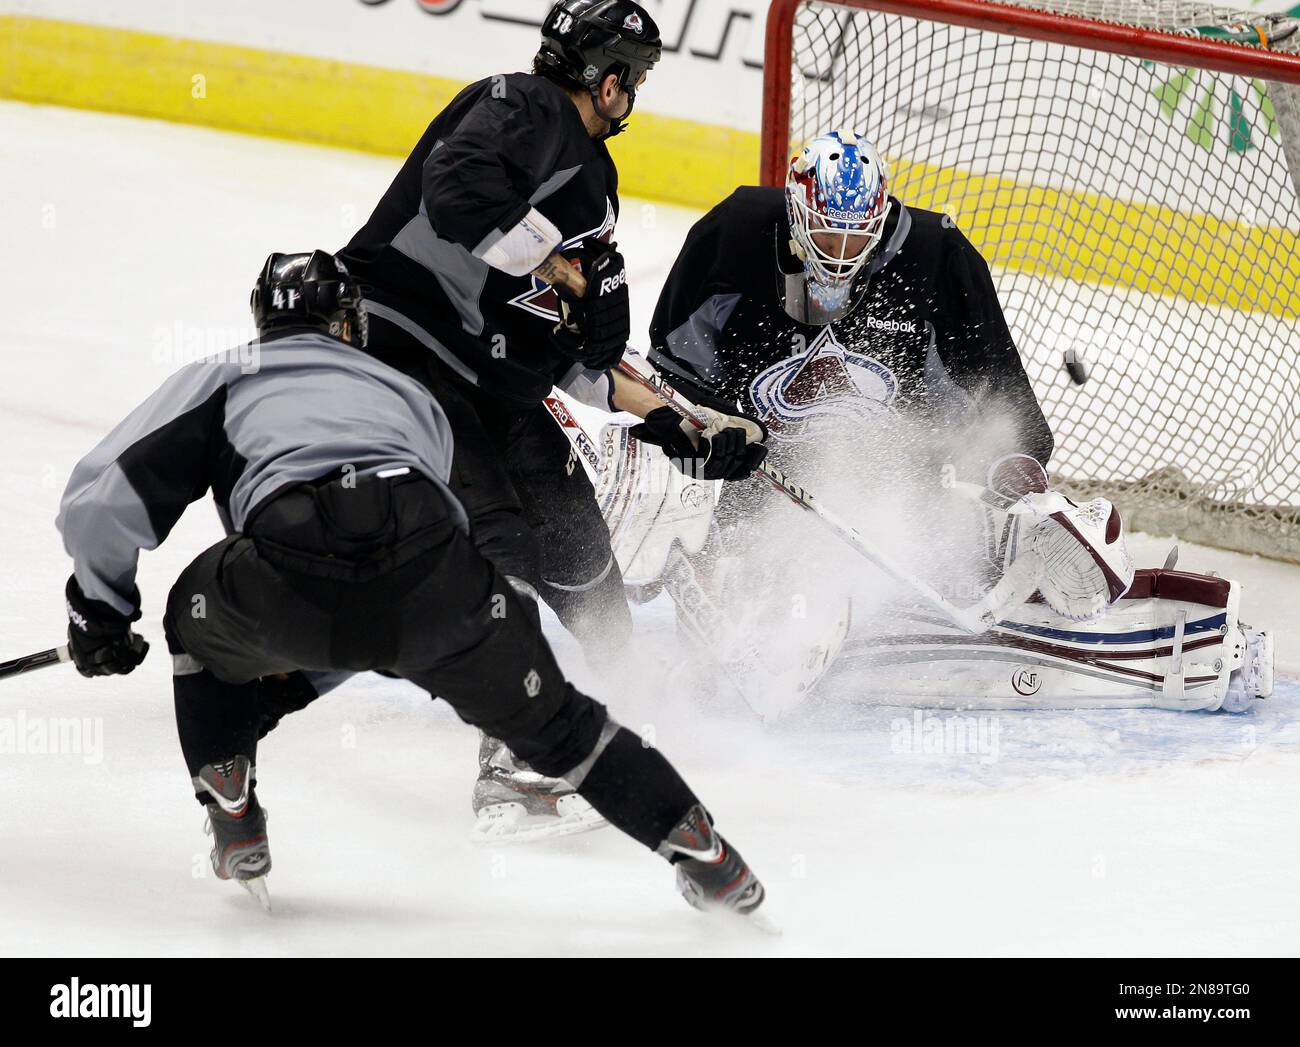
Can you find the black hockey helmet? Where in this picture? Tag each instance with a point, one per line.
(309, 290)
(583, 41)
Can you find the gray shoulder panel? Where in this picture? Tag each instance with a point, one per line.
(695, 342)
(553, 184)
(459, 273)
(399, 319)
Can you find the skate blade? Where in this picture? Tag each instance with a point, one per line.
(499, 831)
(258, 889)
(728, 920)
(762, 921)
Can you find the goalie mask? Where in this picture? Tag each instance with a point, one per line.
(1086, 565)
(837, 201)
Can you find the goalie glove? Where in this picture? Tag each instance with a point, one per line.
(1084, 561)
(730, 447)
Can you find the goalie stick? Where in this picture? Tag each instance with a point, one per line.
(39, 660)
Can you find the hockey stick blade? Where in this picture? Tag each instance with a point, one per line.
(583, 445)
(39, 660)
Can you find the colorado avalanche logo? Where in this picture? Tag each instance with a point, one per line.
(540, 299)
(633, 22)
(827, 382)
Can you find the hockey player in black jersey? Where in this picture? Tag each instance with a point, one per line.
(858, 330)
(347, 551)
(467, 266)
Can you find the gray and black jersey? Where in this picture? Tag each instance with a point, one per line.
(308, 405)
(926, 336)
(505, 174)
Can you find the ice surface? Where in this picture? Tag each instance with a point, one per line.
(128, 244)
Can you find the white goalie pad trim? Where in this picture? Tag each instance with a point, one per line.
(1172, 643)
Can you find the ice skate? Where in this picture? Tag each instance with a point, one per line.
(711, 874)
(240, 850)
(513, 804)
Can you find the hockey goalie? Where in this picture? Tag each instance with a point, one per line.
(866, 340)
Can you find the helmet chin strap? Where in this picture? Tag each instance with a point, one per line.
(617, 124)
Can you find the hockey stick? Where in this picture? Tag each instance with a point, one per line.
(39, 660)
(973, 620)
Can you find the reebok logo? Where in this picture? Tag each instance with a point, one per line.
(613, 283)
(896, 326)
(77, 619)
(75, 1000)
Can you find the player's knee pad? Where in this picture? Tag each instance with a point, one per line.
(504, 538)
(528, 597)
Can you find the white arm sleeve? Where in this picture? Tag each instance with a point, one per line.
(523, 248)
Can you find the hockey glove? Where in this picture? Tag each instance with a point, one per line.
(595, 327)
(730, 448)
(100, 639)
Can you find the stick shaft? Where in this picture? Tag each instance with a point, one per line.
(39, 660)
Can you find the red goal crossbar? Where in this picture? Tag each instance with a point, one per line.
(1152, 44)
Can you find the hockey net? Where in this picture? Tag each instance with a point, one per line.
(1129, 170)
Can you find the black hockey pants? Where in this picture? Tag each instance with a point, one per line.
(377, 575)
(371, 576)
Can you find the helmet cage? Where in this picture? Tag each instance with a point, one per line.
(814, 177)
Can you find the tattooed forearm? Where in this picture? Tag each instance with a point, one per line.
(555, 270)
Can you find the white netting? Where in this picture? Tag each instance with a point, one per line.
(1140, 216)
